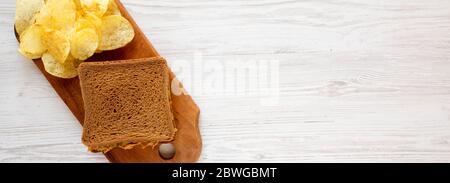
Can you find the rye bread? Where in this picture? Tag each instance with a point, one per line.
(127, 103)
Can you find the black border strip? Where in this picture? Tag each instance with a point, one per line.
(278, 172)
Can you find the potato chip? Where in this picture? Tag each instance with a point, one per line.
(112, 9)
(65, 32)
(43, 17)
(96, 22)
(30, 42)
(68, 69)
(83, 23)
(61, 15)
(57, 43)
(97, 7)
(84, 43)
(116, 32)
(25, 11)
(77, 5)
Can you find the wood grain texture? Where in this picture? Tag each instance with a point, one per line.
(187, 141)
(360, 81)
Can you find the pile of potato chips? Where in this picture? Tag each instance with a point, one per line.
(64, 33)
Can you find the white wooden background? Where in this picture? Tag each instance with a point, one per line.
(360, 81)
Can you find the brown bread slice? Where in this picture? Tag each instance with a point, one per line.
(127, 103)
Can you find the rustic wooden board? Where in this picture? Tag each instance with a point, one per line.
(187, 141)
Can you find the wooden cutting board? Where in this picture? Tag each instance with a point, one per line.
(187, 141)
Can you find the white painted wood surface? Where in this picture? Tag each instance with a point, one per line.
(360, 81)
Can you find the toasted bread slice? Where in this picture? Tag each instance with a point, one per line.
(127, 103)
